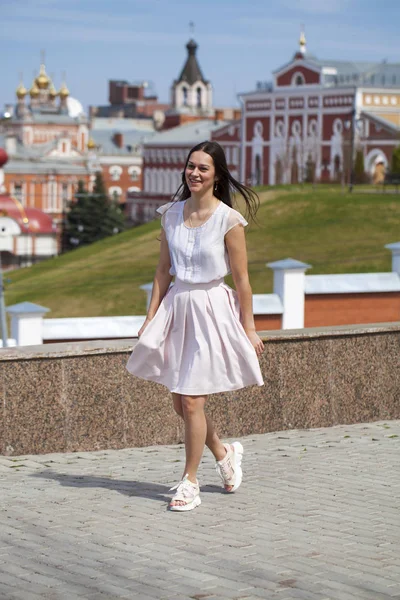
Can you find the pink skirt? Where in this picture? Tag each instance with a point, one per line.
(195, 344)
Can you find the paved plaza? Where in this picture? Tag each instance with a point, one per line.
(317, 518)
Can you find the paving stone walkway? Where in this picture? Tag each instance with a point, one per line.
(317, 518)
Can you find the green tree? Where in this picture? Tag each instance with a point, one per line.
(359, 172)
(396, 161)
(93, 216)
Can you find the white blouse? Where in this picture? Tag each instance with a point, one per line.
(198, 254)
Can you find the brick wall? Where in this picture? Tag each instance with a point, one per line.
(323, 310)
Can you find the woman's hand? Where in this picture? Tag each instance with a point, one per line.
(143, 327)
(257, 342)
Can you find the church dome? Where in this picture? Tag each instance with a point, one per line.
(21, 91)
(63, 91)
(42, 80)
(91, 144)
(34, 91)
(3, 157)
(52, 91)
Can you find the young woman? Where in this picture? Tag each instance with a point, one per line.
(199, 336)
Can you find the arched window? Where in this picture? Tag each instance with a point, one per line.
(153, 180)
(258, 170)
(298, 79)
(115, 193)
(185, 96)
(134, 172)
(337, 168)
(147, 181)
(296, 128)
(198, 93)
(17, 192)
(115, 172)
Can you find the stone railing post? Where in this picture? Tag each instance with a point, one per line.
(26, 323)
(395, 249)
(289, 285)
(148, 288)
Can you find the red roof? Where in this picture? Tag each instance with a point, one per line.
(31, 220)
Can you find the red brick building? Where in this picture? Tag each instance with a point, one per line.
(304, 123)
(128, 100)
(164, 158)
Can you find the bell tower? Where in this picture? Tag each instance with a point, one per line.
(191, 93)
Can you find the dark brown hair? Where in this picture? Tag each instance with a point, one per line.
(225, 186)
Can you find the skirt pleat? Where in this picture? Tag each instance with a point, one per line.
(195, 344)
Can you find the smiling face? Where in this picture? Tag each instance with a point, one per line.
(200, 172)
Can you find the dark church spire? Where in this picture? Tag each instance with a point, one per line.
(191, 71)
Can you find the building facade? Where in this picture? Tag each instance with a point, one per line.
(306, 123)
(129, 100)
(46, 137)
(27, 234)
(164, 158)
(52, 146)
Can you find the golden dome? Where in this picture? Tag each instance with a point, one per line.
(21, 91)
(52, 91)
(63, 91)
(42, 80)
(302, 40)
(34, 91)
(91, 144)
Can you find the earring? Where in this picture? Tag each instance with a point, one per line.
(215, 186)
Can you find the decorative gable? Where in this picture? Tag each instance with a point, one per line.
(298, 73)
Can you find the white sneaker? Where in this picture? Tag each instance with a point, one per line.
(186, 492)
(229, 468)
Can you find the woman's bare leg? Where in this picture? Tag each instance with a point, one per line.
(212, 440)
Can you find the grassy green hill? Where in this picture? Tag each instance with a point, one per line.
(334, 232)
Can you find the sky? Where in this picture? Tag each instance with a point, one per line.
(240, 41)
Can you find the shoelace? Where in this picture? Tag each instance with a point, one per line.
(185, 487)
(226, 469)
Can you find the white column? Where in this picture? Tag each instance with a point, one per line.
(289, 285)
(395, 249)
(148, 288)
(26, 323)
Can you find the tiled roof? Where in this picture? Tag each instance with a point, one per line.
(51, 119)
(189, 133)
(361, 73)
(355, 73)
(43, 167)
(122, 124)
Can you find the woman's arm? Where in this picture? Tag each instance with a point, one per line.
(236, 246)
(162, 279)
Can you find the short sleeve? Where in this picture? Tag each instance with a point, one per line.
(234, 218)
(161, 210)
